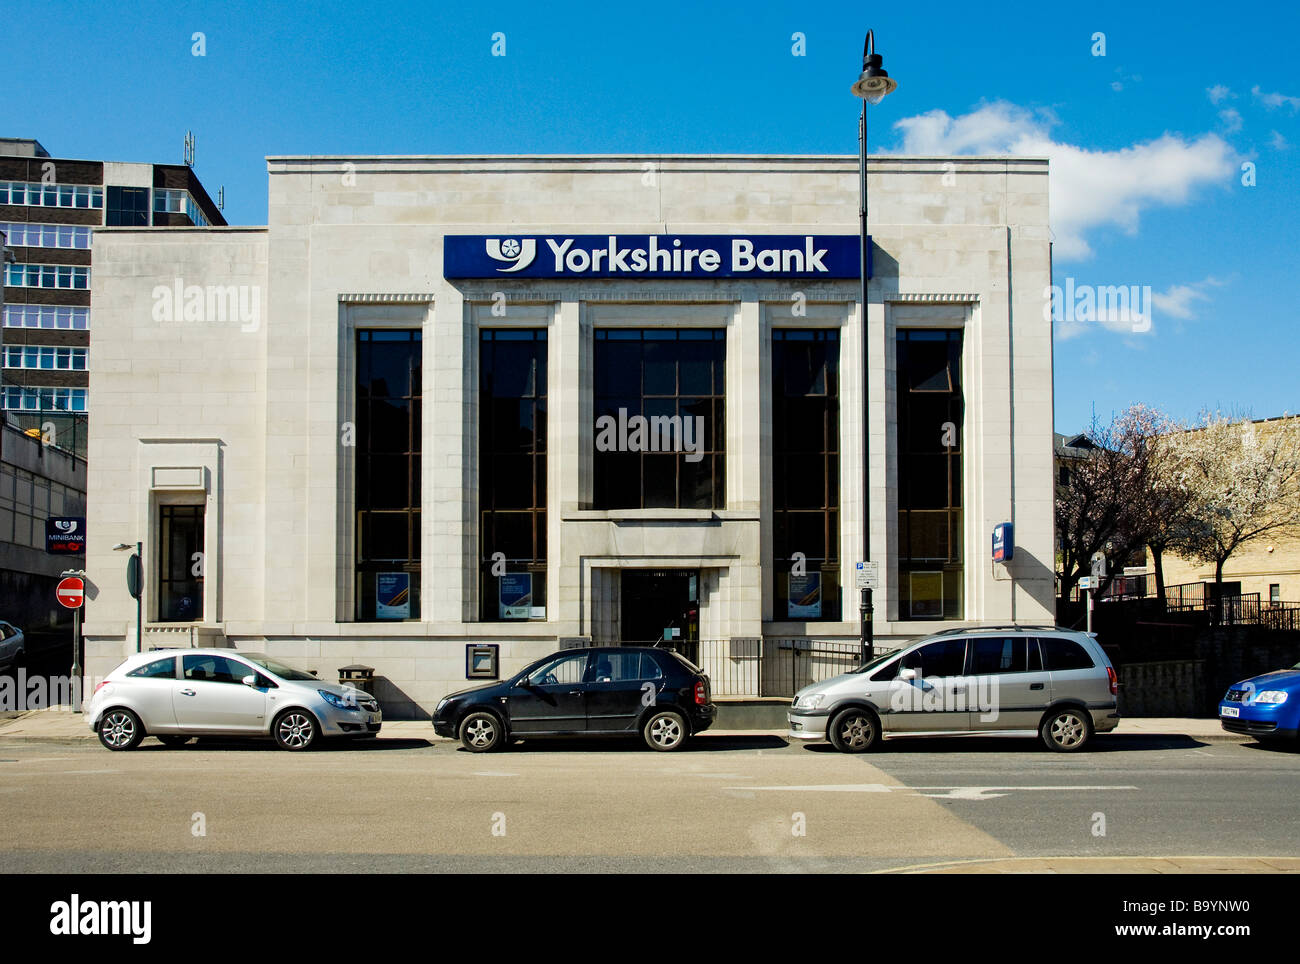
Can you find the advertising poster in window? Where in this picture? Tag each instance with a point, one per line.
(516, 595)
(927, 595)
(804, 600)
(393, 595)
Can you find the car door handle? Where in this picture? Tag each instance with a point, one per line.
(575, 692)
(1035, 686)
(187, 692)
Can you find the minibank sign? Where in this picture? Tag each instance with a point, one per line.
(830, 256)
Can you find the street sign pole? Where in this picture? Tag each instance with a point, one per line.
(866, 576)
(76, 660)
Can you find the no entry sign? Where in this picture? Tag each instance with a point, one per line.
(70, 592)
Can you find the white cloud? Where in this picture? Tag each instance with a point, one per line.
(1218, 93)
(1089, 189)
(1275, 100)
(1278, 142)
(1181, 300)
(1231, 118)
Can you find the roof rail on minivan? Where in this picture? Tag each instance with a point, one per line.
(984, 629)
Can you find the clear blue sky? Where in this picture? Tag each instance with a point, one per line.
(119, 82)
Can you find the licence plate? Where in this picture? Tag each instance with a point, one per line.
(372, 718)
(1229, 711)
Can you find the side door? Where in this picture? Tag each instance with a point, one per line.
(622, 685)
(934, 700)
(553, 697)
(1008, 688)
(210, 696)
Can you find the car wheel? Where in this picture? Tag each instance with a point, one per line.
(854, 730)
(120, 730)
(665, 730)
(173, 740)
(480, 732)
(295, 730)
(1066, 730)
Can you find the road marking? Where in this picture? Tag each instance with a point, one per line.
(952, 793)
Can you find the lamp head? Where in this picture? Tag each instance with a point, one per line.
(874, 82)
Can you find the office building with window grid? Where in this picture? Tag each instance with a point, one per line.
(533, 402)
(49, 209)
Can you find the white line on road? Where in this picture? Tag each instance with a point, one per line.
(952, 793)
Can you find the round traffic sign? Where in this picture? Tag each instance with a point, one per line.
(70, 592)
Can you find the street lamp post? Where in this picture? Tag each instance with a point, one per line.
(872, 85)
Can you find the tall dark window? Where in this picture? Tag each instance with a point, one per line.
(512, 473)
(930, 410)
(659, 435)
(806, 473)
(388, 474)
(180, 563)
(127, 206)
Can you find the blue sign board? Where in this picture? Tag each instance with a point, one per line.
(516, 600)
(652, 256)
(393, 595)
(1004, 543)
(66, 535)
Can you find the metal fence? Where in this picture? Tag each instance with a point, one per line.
(774, 667)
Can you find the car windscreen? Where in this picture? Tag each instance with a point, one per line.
(873, 663)
(276, 668)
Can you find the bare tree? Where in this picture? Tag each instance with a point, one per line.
(1242, 479)
(1113, 500)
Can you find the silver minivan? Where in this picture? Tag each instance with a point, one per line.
(990, 681)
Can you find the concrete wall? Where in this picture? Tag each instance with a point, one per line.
(254, 417)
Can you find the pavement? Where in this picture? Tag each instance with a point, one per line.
(63, 725)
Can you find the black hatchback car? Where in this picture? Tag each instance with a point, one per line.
(602, 691)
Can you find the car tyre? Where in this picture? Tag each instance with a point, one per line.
(1066, 730)
(295, 730)
(665, 730)
(173, 740)
(482, 732)
(120, 729)
(854, 730)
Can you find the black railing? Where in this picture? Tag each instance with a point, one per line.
(770, 667)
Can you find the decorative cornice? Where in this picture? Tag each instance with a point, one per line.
(385, 298)
(930, 297)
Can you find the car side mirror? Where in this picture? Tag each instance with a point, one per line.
(907, 673)
(250, 680)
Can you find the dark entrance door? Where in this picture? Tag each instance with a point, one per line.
(655, 600)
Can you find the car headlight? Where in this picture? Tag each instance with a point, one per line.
(442, 703)
(1271, 696)
(809, 701)
(333, 699)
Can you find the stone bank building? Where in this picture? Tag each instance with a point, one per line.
(531, 402)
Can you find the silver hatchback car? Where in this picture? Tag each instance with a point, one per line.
(179, 694)
(990, 681)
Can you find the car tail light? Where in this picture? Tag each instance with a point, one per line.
(101, 685)
(1114, 680)
(701, 693)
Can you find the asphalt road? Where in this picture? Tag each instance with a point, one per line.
(729, 803)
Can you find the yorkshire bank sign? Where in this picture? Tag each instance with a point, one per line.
(651, 256)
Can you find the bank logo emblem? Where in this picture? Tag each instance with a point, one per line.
(66, 525)
(518, 254)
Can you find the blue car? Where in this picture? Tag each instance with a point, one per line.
(1265, 707)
